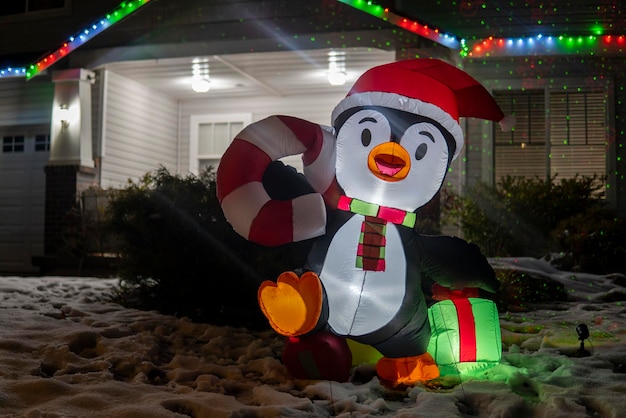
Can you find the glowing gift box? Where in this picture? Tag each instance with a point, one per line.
(465, 335)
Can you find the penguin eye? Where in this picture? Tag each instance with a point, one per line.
(366, 137)
(420, 152)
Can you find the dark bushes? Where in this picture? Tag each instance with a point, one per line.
(534, 217)
(596, 240)
(180, 256)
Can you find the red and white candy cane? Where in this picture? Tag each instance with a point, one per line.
(245, 202)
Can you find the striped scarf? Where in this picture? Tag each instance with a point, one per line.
(371, 249)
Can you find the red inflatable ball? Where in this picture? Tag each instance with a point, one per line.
(320, 355)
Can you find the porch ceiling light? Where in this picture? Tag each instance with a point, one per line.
(200, 85)
(200, 79)
(337, 68)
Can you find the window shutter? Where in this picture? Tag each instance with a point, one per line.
(578, 134)
(577, 122)
(522, 151)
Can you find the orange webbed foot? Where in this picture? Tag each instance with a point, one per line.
(407, 370)
(293, 304)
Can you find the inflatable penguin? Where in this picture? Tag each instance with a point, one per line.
(392, 140)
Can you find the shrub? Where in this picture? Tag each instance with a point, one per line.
(180, 256)
(533, 217)
(595, 238)
(486, 220)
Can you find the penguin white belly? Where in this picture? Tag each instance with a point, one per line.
(362, 301)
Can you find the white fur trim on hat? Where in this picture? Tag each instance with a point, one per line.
(399, 102)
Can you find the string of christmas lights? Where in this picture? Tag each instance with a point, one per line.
(491, 47)
(12, 72)
(434, 34)
(120, 12)
(547, 45)
(536, 45)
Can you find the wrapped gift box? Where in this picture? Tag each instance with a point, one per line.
(465, 335)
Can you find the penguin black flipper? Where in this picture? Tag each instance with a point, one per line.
(283, 182)
(456, 264)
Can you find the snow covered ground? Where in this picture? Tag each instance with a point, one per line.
(65, 351)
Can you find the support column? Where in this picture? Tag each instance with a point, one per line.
(64, 185)
(70, 169)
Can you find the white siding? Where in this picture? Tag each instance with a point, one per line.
(25, 102)
(139, 131)
(477, 155)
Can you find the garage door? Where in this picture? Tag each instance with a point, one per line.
(23, 155)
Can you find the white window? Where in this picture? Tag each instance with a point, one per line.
(210, 135)
(12, 144)
(24, 143)
(42, 142)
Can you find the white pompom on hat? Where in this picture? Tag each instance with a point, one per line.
(428, 87)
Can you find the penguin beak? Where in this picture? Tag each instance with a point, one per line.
(389, 161)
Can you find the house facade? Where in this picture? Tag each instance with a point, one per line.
(569, 120)
(111, 111)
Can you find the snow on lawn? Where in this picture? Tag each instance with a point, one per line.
(65, 351)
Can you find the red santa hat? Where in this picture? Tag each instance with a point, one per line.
(427, 87)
